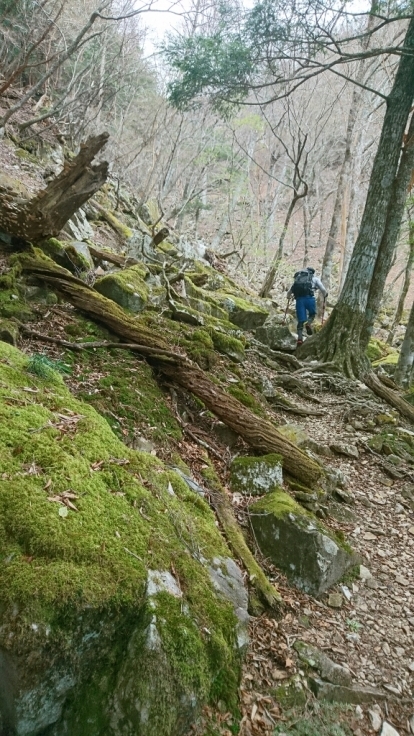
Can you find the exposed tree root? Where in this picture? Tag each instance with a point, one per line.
(234, 535)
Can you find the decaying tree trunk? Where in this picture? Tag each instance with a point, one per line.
(259, 433)
(47, 213)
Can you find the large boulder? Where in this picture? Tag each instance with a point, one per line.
(242, 312)
(276, 335)
(298, 543)
(255, 476)
(127, 288)
(112, 622)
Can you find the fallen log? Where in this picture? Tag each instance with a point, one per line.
(259, 433)
(391, 397)
(46, 214)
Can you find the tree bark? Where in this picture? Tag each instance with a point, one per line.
(259, 433)
(388, 394)
(46, 214)
(406, 284)
(389, 239)
(341, 339)
(404, 371)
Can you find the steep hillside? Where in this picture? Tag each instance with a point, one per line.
(159, 438)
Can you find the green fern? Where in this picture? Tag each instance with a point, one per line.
(43, 367)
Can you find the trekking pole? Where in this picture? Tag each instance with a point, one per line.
(323, 311)
(286, 310)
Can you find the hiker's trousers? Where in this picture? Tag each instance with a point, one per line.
(305, 309)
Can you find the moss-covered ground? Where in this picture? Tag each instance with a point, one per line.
(82, 519)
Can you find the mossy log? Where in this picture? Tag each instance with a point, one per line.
(45, 214)
(259, 433)
(234, 535)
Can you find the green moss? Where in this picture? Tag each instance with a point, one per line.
(228, 345)
(127, 288)
(390, 359)
(280, 504)
(126, 393)
(377, 350)
(239, 392)
(23, 154)
(95, 559)
(119, 226)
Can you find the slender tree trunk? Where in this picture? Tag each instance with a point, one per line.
(334, 230)
(353, 206)
(405, 286)
(403, 374)
(340, 339)
(270, 276)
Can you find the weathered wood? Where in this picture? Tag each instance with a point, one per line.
(259, 433)
(389, 395)
(115, 258)
(220, 502)
(45, 214)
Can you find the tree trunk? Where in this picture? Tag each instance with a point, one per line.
(405, 286)
(270, 276)
(403, 373)
(353, 206)
(46, 214)
(390, 236)
(343, 329)
(334, 230)
(258, 433)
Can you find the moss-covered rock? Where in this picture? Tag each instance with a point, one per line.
(242, 312)
(88, 646)
(127, 288)
(256, 475)
(298, 543)
(73, 255)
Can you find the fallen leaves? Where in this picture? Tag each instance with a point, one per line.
(65, 499)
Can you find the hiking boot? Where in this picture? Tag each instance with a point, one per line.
(308, 329)
(299, 343)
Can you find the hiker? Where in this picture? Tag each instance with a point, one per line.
(304, 285)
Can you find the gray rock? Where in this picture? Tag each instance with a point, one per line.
(356, 695)
(256, 475)
(298, 543)
(342, 448)
(227, 579)
(375, 717)
(244, 314)
(83, 254)
(78, 227)
(364, 573)
(318, 660)
(276, 336)
(225, 434)
(127, 288)
(191, 483)
(388, 730)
